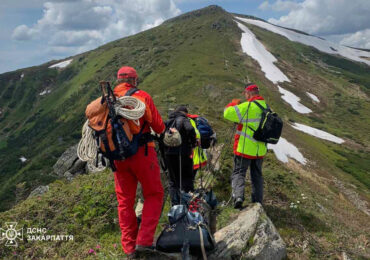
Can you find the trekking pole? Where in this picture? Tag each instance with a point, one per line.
(180, 177)
(219, 157)
(228, 140)
(200, 169)
(164, 167)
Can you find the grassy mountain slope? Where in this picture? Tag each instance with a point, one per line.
(193, 59)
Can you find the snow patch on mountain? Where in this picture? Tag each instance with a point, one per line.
(313, 97)
(313, 41)
(293, 100)
(317, 133)
(255, 49)
(61, 65)
(46, 91)
(284, 150)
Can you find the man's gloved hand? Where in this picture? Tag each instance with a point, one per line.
(233, 102)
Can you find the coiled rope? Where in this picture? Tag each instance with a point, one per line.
(127, 107)
(87, 147)
(130, 108)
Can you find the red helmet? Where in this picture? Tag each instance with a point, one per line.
(126, 72)
(251, 87)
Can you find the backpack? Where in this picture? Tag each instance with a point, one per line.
(171, 139)
(187, 230)
(270, 127)
(205, 131)
(117, 138)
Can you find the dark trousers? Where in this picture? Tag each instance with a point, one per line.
(238, 178)
(187, 180)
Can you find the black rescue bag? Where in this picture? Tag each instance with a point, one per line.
(186, 229)
(270, 127)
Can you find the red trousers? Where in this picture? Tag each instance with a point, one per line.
(145, 169)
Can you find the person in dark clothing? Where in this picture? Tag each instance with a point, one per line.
(179, 159)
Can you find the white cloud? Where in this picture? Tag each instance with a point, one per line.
(346, 22)
(70, 26)
(23, 33)
(360, 39)
(279, 5)
(325, 17)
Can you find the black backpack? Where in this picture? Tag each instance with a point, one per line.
(270, 127)
(188, 227)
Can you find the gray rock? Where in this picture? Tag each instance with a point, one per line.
(251, 236)
(69, 161)
(91, 166)
(39, 191)
(68, 175)
(345, 256)
(267, 243)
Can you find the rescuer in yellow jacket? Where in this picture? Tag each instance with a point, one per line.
(247, 151)
(199, 154)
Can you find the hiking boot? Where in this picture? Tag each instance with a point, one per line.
(238, 203)
(140, 249)
(131, 256)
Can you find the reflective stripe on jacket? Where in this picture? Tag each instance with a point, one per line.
(244, 144)
(199, 155)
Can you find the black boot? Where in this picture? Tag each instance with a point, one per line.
(238, 203)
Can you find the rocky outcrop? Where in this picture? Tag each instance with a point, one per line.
(91, 166)
(39, 191)
(69, 162)
(251, 236)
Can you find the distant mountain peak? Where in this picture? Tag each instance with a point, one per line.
(211, 9)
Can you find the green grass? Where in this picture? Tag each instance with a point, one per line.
(355, 164)
(85, 208)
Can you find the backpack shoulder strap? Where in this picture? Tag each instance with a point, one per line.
(131, 91)
(260, 106)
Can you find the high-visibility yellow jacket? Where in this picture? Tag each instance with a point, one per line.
(244, 144)
(199, 155)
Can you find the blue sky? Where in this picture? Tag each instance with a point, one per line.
(36, 31)
(235, 6)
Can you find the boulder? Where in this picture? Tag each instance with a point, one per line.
(91, 166)
(70, 162)
(39, 191)
(251, 236)
(68, 175)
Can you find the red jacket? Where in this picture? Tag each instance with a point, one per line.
(157, 123)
